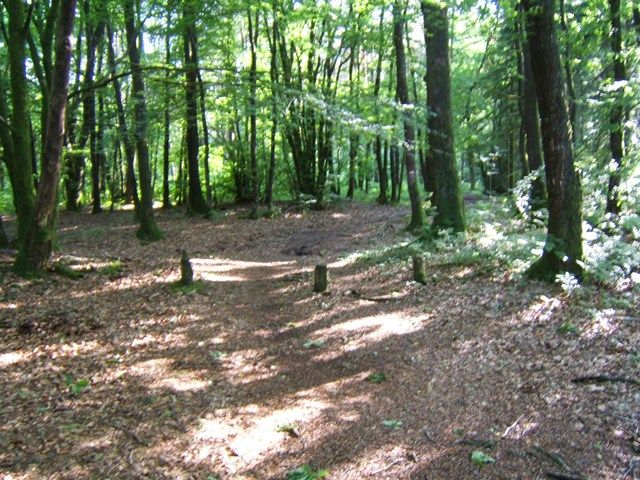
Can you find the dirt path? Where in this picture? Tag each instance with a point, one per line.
(252, 374)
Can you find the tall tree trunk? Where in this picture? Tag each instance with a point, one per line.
(95, 141)
(253, 146)
(195, 200)
(131, 189)
(446, 198)
(417, 213)
(148, 230)
(531, 126)
(36, 250)
(74, 161)
(567, 71)
(617, 111)
(21, 169)
(563, 249)
(273, 73)
(382, 171)
(166, 199)
(354, 139)
(210, 189)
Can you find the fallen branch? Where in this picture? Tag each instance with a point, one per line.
(65, 271)
(382, 299)
(605, 378)
(551, 457)
(512, 426)
(564, 476)
(380, 470)
(476, 442)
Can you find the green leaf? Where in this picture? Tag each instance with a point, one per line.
(313, 343)
(392, 424)
(480, 458)
(305, 472)
(377, 377)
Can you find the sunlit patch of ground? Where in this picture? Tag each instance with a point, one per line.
(123, 374)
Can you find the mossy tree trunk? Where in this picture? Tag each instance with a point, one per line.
(35, 251)
(417, 212)
(196, 202)
(148, 230)
(617, 114)
(20, 165)
(530, 119)
(563, 248)
(441, 163)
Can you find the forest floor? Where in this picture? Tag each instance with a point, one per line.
(249, 374)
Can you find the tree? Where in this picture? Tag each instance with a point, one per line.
(254, 29)
(530, 120)
(441, 164)
(35, 251)
(19, 163)
(616, 135)
(417, 213)
(195, 200)
(563, 248)
(148, 230)
(131, 189)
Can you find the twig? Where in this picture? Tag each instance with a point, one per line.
(564, 476)
(475, 442)
(380, 470)
(512, 426)
(381, 299)
(605, 378)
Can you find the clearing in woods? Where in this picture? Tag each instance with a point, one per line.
(249, 374)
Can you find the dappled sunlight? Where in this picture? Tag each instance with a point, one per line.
(12, 358)
(541, 311)
(361, 332)
(159, 373)
(227, 270)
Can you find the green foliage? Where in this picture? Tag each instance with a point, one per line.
(217, 355)
(305, 472)
(76, 387)
(392, 424)
(478, 457)
(197, 286)
(568, 328)
(112, 269)
(288, 428)
(377, 377)
(313, 343)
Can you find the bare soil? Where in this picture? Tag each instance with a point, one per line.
(250, 374)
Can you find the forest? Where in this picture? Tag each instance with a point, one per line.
(304, 239)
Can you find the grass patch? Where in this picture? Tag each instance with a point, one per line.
(112, 269)
(197, 286)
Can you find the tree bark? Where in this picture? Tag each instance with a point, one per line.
(617, 114)
(166, 198)
(148, 230)
(441, 165)
(563, 248)
(273, 73)
(131, 189)
(530, 119)
(417, 213)
(36, 250)
(21, 167)
(195, 200)
(253, 145)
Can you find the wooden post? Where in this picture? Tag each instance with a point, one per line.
(321, 279)
(186, 270)
(419, 274)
